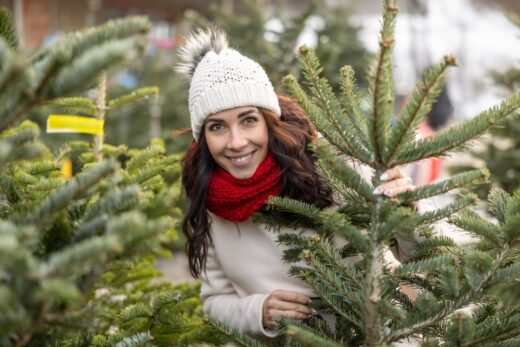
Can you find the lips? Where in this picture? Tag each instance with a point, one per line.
(241, 161)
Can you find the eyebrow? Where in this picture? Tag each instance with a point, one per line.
(240, 115)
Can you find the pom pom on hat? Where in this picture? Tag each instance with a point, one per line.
(197, 45)
(221, 78)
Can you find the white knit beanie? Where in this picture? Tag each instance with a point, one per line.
(221, 78)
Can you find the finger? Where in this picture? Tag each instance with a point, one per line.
(410, 291)
(396, 183)
(286, 295)
(291, 306)
(275, 314)
(398, 190)
(267, 321)
(391, 174)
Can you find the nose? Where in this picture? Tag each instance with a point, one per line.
(237, 140)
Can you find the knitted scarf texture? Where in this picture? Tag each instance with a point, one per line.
(236, 200)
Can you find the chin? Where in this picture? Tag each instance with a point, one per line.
(242, 175)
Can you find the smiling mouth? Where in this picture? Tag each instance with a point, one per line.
(242, 160)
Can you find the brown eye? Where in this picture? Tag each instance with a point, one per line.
(215, 127)
(250, 120)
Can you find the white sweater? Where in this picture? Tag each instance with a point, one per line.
(244, 266)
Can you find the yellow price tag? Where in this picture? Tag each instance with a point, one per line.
(57, 123)
(66, 168)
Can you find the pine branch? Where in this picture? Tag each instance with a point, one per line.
(398, 222)
(339, 282)
(354, 117)
(499, 200)
(143, 157)
(137, 340)
(456, 137)
(239, 338)
(425, 265)
(134, 96)
(478, 226)
(139, 234)
(303, 209)
(323, 96)
(430, 247)
(338, 168)
(337, 223)
(416, 109)
(510, 228)
(139, 310)
(62, 67)
(10, 69)
(10, 190)
(319, 120)
(42, 167)
(144, 174)
(445, 212)
(381, 86)
(76, 104)
(497, 330)
(25, 92)
(77, 43)
(457, 181)
(332, 256)
(91, 228)
(77, 260)
(447, 307)
(509, 343)
(8, 28)
(86, 67)
(308, 338)
(19, 136)
(509, 273)
(115, 200)
(70, 191)
(326, 293)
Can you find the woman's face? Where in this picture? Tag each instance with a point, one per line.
(237, 139)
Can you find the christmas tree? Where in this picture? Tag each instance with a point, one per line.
(77, 254)
(452, 306)
(500, 155)
(273, 47)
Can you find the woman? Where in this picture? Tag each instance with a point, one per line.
(249, 144)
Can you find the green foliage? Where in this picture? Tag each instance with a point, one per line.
(132, 97)
(273, 49)
(501, 152)
(66, 66)
(77, 253)
(63, 237)
(363, 295)
(8, 28)
(131, 300)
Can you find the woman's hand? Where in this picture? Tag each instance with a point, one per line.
(284, 303)
(394, 182)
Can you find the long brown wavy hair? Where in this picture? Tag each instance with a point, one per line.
(289, 137)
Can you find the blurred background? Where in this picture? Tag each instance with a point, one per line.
(483, 35)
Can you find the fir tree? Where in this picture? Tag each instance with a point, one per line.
(501, 152)
(75, 253)
(364, 297)
(274, 49)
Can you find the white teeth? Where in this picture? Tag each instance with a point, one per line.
(241, 160)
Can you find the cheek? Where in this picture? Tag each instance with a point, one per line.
(264, 136)
(213, 144)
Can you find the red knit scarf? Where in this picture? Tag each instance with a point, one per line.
(236, 200)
